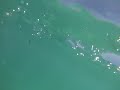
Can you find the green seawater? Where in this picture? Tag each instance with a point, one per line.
(35, 52)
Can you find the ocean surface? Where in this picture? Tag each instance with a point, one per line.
(54, 45)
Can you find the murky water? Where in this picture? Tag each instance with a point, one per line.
(56, 46)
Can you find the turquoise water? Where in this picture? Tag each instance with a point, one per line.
(46, 45)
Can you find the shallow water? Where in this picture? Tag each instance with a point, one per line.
(51, 45)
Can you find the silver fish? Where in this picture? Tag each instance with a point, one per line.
(112, 58)
(75, 44)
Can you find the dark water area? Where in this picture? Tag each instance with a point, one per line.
(51, 45)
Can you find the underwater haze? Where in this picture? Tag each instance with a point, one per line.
(59, 45)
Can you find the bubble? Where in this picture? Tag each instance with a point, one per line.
(44, 15)
(18, 9)
(13, 10)
(24, 11)
(94, 51)
(92, 47)
(38, 20)
(98, 50)
(117, 49)
(118, 40)
(44, 25)
(68, 35)
(94, 54)
(38, 33)
(27, 4)
(7, 13)
(107, 34)
(81, 54)
(74, 48)
(109, 68)
(118, 69)
(96, 58)
(110, 63)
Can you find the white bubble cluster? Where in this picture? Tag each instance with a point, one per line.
(118, 40)
(118, 68)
